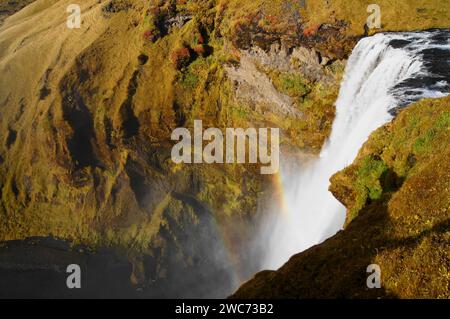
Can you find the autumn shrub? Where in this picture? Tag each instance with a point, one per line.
(181, 57)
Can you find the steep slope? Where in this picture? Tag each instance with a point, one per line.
(85, 153)
(73, 163)
(398, 195)
(87, 114)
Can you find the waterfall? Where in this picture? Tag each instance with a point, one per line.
(384, 72)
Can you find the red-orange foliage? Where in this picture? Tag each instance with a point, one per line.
(180, 57)
(200, 49)
(200, 39)
(311, 30)
(148, 35)
(272, 20)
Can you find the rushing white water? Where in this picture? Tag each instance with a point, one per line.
(378, 78)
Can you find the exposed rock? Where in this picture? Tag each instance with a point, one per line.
(277, 57)
(115, 6)
(178, 21)
(255, 87)
(305, 56)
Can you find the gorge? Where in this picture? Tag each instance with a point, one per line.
(86, 169)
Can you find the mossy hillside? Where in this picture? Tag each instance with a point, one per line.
(332, 27)
(93, 196)
(200, 88)
(394, 153)
(403, 15)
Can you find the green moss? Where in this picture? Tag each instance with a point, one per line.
(240, 112)
(196, 72)
(189, 80)
(369, 176)
(368, 184)
(443, 122)
(423, 143)
(396, 152)
(292, 84)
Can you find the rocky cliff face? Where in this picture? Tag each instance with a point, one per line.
(87, 114)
